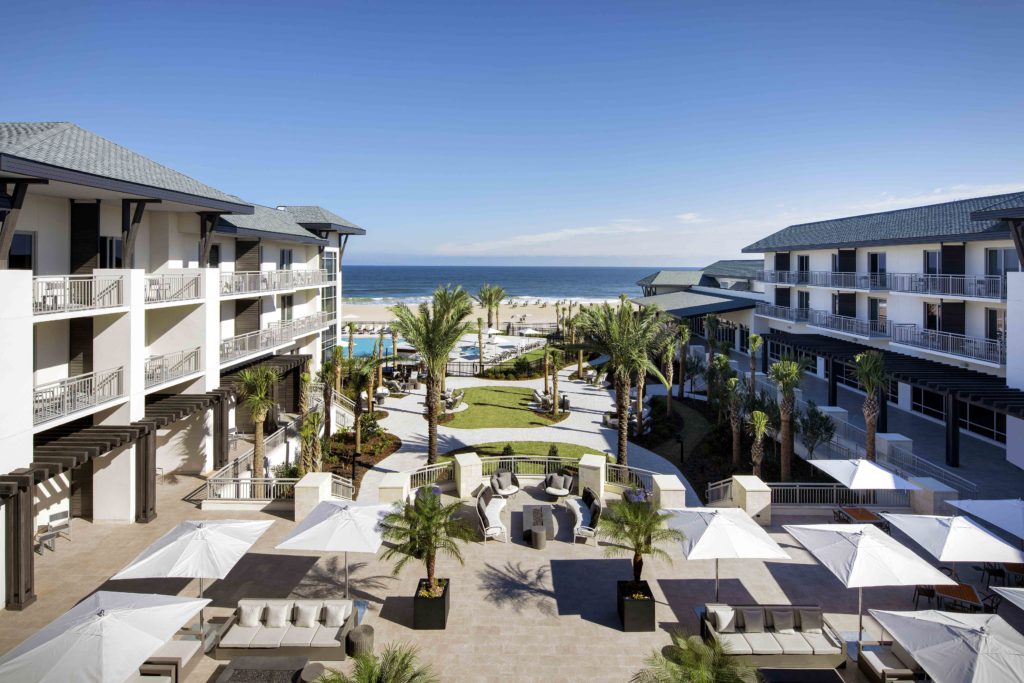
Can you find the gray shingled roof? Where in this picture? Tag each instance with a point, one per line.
(735, 268)
(950, 220)
(687, 304)
(65, 145)
(677, 278)
(319, 216)
(274, 222)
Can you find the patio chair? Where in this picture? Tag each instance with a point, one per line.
(394, 387)
(586, 511)
(991, 570)
(927, 592)
(838, 517)
(990, 603)
(488, 510)
(505, 483)
(558, 485)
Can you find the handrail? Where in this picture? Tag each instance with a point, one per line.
(988, 350)
(428, 475)
(850, 325)
(634, 477)
(275, 334)
(341, 487)
(246, 282)
(848, 280)
(832, 494)
(980, 286)
(165, 287)
(782, 277)
(905, 463)
(71, 293)
(527, 465)
(782, 312)
(165, 367)
(66, 396)
(248, 488)
(718, 491)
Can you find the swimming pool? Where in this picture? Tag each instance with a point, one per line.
(363, 346)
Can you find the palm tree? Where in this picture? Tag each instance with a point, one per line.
(421, 530)
(684, 351)
(695, 367)
(637, 528)
(815, 428)
(691, 660)
(480, 341)
(256, 387)
(435, 331)
(547, 370)
(396, 664)
(754, 345)
(786, 374)
(734, 400)
(361, 372)
(309, 435)
(351, 339)
(669, 346)
(489, 298)
(711, 326)
(327, 376)
(556, 364)
(757, 423)
(869, 368)
(718, 374)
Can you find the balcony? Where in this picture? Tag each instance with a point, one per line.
(974, 348)
(170, 366)
(76, 293)
(977, 286)
(274, 335)
(833, 280)
(173, 287)
(793, 315)
(782, 277)
(65, 397)
(871, 329)
(258, 282)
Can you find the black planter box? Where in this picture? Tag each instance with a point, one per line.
(430, 613)
(635, 615)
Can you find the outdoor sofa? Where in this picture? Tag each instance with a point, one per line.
(489, 506)
(315, 628)
(174, 661)
(775, 636)
(883, 661)
(586, 511)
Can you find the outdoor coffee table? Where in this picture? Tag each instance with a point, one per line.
(861, 515)
(962, 593)
(263, 670)
(540, 523)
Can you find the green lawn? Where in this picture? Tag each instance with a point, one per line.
(499, 407)
(533, 448)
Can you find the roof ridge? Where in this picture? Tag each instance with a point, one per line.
(55, 128)
(1001, 198)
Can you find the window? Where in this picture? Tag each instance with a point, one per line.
(329, 262)
(803, 264)
(22, 253)
(932, 316)
(744, 339)
(110, 252)
(974, 419)
(286, 306)
(877, 309)
(214, 256)
(995, 324)
(328, 340)
(932, 262)
(847, 376)
(284, 261)
(1001, 261)
(328, 299)
(803, 300)
(876, 262)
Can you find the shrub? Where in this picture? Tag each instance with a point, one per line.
(285, 471)
(553, 451)
(508, 450)
(371, 428)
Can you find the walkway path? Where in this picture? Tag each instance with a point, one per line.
(582, 427)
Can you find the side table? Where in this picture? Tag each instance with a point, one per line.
(359, 640)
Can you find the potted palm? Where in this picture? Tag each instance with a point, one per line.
(690, 660)
(396, 664)
(636, 528)
(420, 531)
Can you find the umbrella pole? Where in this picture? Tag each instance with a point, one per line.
(346, 574)
(860, 613)
(716, 579)
(201, 617)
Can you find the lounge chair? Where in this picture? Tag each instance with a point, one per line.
(558, 485)
(394, 387)
(883, 661)
(455, 401)
(488, 508)
(586, 511)
(505, 483)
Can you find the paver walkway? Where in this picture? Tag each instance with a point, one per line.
(582, 427)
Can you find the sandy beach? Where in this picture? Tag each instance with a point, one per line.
(535, 313)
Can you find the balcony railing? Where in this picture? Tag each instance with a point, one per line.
(72, 293)
(867, 281)
(850, 325)
(980, 286)
(783, 277)
(797, 493)
(250, 282)
(67, 396)
(796, 315)
(987, 350)
(274, 335)
(169, 366)
(166, 287)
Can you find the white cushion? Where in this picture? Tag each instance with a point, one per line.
(810, 621)
(762, 644)
(326, 636)
(182, 650)
(306, 614)
(782, 621)
(336, 612)
(556, 492)
(881, 660)
(269, 637)
(250, 614)
(821, 644)
(508, 491)
(753, 620)
(793, 644)
(734, 643)
(239, 636)
(298, 636)
(278, 614)
(723, 619)
(580, 510)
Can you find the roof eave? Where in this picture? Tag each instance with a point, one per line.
(266, 234)
(998, 214)
(335, 227)
(937, 239)
(14, 164)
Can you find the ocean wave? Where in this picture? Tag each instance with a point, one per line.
(518, 300)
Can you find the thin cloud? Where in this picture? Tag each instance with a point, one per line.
(691, 218)
(561, 242)
(939, 195)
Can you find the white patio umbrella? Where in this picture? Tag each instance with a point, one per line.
(528, 331)
(1007, 514)
(336, 526)
(492, 330)
(105, 638)
(861, 556)
(1014, 595)
(863, 474)
(954, 539)
(723, 533)
(206, 549)
(958, 648)
(350, 316)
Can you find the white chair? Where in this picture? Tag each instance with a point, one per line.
(488, 508)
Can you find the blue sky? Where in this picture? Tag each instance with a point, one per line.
(605, 133)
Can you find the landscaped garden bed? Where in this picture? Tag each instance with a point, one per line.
(500, 406)
(377, 444)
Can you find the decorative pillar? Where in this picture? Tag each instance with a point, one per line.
(221, 444)
(145, 472)
(833, 381)
(19, 520)
(952, 430)
(764, 357)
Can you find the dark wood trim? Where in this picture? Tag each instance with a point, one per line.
(952, 410)
(207, 226)
(252, 233)
(9, 216)
(1017, 233)
(145, 474)
(130, 227)
(19, 520)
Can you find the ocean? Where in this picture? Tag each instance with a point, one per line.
(413, 284)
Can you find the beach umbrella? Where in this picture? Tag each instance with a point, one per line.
(954, 539)
(722, 534)
(1014, 595)
(337, 526)
(350, 316)
(103, 639)
(958, 648)
(861, 556)
(863, 474)
(492, 330)
(1007, 514)
(206, 549)
(529, 331)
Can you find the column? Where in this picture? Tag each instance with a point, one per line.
(1015, 362)
(16, 331)
(145, 473)
(468, 474)
(592, 473)
(883, 411)
(952, 430)
(19, 523)
(221, 444)
(833, 382)
(211, 327)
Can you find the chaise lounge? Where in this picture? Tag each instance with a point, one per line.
(314, 628)
(775, 636)
(489, 506)
(586, 511)
(884, 661)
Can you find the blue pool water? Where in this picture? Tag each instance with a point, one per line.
(363, 346)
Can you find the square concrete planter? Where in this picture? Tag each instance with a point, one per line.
(431, 613)
(636, 614)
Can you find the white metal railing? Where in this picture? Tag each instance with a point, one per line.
(980, 286)
(247, 282)
(428, 475)
(341, 487)
(718, 491)
(988, 350)
(64, 397)
(800, 493)
(782, 277)
(623, 475)
(850, 325)
(165, 367)
(838, 280)
(527, 465)
(905, 463)
(248, 488)
(72, 293)
(797, 315)
(166, 287)
(275, 334)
